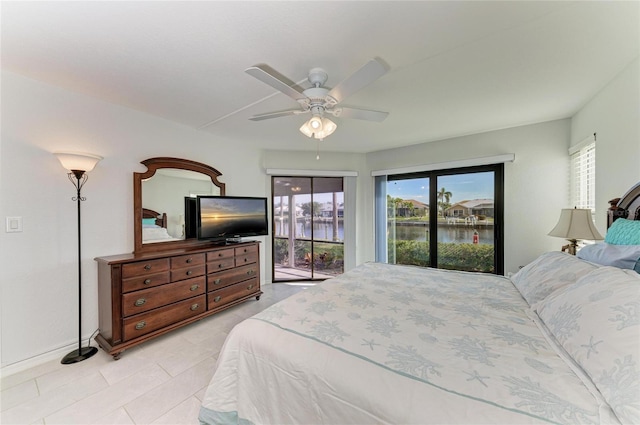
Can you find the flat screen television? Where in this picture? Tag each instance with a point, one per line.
(228, 218)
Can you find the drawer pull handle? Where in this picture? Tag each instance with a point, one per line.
(141, 325)
(216, 299)
(219, 266)
(217, 281)
(189, 260)
(220, 254)
(194, 307)
(140, 301)
(250, 272)
(147, 266)
(245, 250)
(250, 287)
(147, 281)
(194, 287)
(246, 259)
(189, 272)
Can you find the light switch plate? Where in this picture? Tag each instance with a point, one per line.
(14, 224)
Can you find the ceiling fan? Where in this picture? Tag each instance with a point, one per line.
(319, 100)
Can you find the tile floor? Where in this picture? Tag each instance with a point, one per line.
(159, 382)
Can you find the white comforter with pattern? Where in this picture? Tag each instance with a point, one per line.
(399, 345)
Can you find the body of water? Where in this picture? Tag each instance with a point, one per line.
(321, 230)
(455, 234)
(447, 234)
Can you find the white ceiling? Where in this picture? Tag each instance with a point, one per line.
(456, 67)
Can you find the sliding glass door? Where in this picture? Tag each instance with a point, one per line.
(450, 219)
(308, 227)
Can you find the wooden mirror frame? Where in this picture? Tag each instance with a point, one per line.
(153, 165)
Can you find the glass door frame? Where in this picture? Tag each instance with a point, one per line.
(313, 273)
(498, 170)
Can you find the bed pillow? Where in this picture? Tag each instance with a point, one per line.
(596, 321)
(624, 232)
(547, 273)
(154, 233)
(623, 256)
(148, 221)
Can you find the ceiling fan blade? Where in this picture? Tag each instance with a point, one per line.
(364, 76)
(360, 114)
(271, 77)
(277, 114)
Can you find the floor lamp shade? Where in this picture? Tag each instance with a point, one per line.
(575, 224)
(78, 161)
(78, 164)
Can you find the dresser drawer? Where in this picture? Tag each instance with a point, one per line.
(187, 272)
(229, 277)
(145, 267)
(225, 263)
(145, 281)
(220, 254)
(246, 255)
(244, 250)
(150, 321)
(217, 299)
(187, 261)
(247, 259)
(148, 299)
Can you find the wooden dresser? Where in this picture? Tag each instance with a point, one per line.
(144, 296)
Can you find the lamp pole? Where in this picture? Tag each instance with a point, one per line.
(80, 354)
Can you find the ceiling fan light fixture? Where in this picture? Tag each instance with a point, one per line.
(306, 129)
(315, 123)
(328, 127)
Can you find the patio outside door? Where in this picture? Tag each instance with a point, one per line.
(308, 227)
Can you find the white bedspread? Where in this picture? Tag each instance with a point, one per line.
(397, 345)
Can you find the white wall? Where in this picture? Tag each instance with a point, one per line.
(614, 115)
(535, 184)
(39, 265)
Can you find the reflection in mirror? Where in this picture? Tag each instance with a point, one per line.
(165, 193)
(160, 202)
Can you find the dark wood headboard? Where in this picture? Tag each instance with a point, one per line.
(161, 218)
(626, 207)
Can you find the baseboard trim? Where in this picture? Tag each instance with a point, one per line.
(20, 366)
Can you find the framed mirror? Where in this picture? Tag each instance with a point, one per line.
(164, 200)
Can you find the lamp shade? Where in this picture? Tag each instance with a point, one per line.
(306, 129)
(74, 161)
(326, 128)
(576, 224)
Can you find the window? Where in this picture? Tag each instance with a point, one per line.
(583, 174)
(449, 219)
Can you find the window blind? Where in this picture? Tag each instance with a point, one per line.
(583, 173)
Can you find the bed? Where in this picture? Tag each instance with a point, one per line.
(154, 227)
(557, 342)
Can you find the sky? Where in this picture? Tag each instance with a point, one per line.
(462, 187)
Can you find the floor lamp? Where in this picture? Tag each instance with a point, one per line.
(79, 165)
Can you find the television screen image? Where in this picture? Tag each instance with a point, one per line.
(229, 217)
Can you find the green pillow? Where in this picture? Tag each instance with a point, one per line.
(624, 232)
(149, 221)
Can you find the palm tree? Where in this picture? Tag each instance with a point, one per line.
(444, 196)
